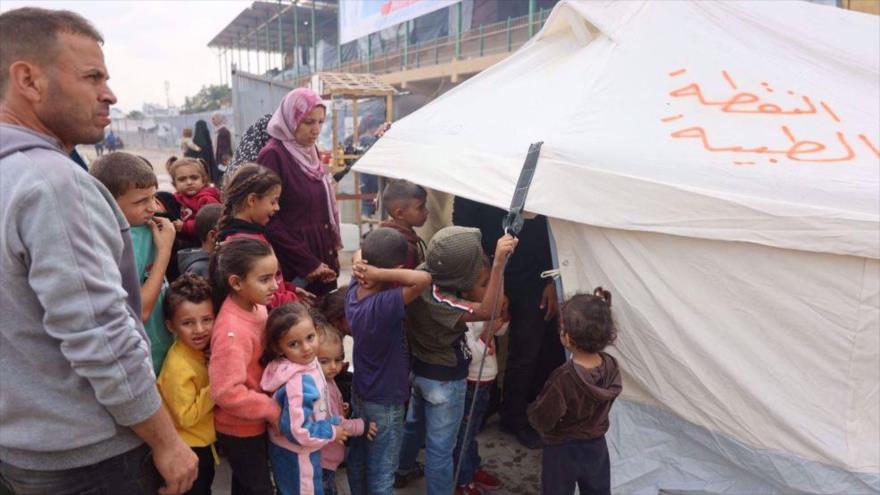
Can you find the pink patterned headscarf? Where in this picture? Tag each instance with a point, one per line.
(282, 126)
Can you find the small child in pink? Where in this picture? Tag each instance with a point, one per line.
(331, 357)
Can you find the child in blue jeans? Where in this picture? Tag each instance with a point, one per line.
(472, 478)
(375, 309)
(436, 328)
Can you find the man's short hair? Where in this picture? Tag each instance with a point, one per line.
(120, 172)
(384, 248)
(402, 190)
(206, 220)
(31, 34)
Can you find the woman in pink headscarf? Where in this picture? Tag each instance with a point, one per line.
(305, 231)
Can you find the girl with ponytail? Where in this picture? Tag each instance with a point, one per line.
(250, 199)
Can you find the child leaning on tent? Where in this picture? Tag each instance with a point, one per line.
(571, 413)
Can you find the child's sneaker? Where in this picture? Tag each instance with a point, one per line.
(401, 480)
(486, 481)
(469, 489)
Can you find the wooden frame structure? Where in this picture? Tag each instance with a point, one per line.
(349, 86)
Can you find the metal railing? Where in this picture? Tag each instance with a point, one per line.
(398, 55)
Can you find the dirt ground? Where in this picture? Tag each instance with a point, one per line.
(518, 467)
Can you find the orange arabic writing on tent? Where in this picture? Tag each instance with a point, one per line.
(742, 102)
(795, 152)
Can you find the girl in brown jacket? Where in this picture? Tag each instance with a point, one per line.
(571, 414)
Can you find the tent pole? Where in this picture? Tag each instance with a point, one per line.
(295, 40)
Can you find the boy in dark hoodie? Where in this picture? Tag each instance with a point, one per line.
(195, 260)
(405, 203)
(571, 414)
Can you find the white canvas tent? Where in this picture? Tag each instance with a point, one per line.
(716, 165)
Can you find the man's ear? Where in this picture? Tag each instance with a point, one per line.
(28, 80)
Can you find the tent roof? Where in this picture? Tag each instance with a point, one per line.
(737, 121)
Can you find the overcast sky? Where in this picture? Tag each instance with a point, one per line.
(149, 42)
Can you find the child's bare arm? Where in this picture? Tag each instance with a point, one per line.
(163, 237)
(482, 311)
(413, 282)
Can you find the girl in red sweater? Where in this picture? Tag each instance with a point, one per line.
(191, 181)
(251, 198)
(243, 276)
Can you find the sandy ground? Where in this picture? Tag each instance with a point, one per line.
(518, 467)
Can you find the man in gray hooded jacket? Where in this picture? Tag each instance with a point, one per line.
(78, 392)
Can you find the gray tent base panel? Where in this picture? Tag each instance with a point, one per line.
(653, 451)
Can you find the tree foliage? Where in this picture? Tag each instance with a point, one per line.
(208, 98)
(135, 114)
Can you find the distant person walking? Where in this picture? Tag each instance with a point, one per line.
(79, 394)
(202, 139)
(111, 142)
(223, 154)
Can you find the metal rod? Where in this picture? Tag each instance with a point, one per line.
(337, 151)
(531, 17)
(458, 31)
(357, 179)
(223, 70)
(355, 134)
(405, 59)
(280, 42)
(338, 51)
(314, 42)
(295, 39)
(268, 51)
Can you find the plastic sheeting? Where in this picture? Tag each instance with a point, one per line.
(654, 451)
(716, 165)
